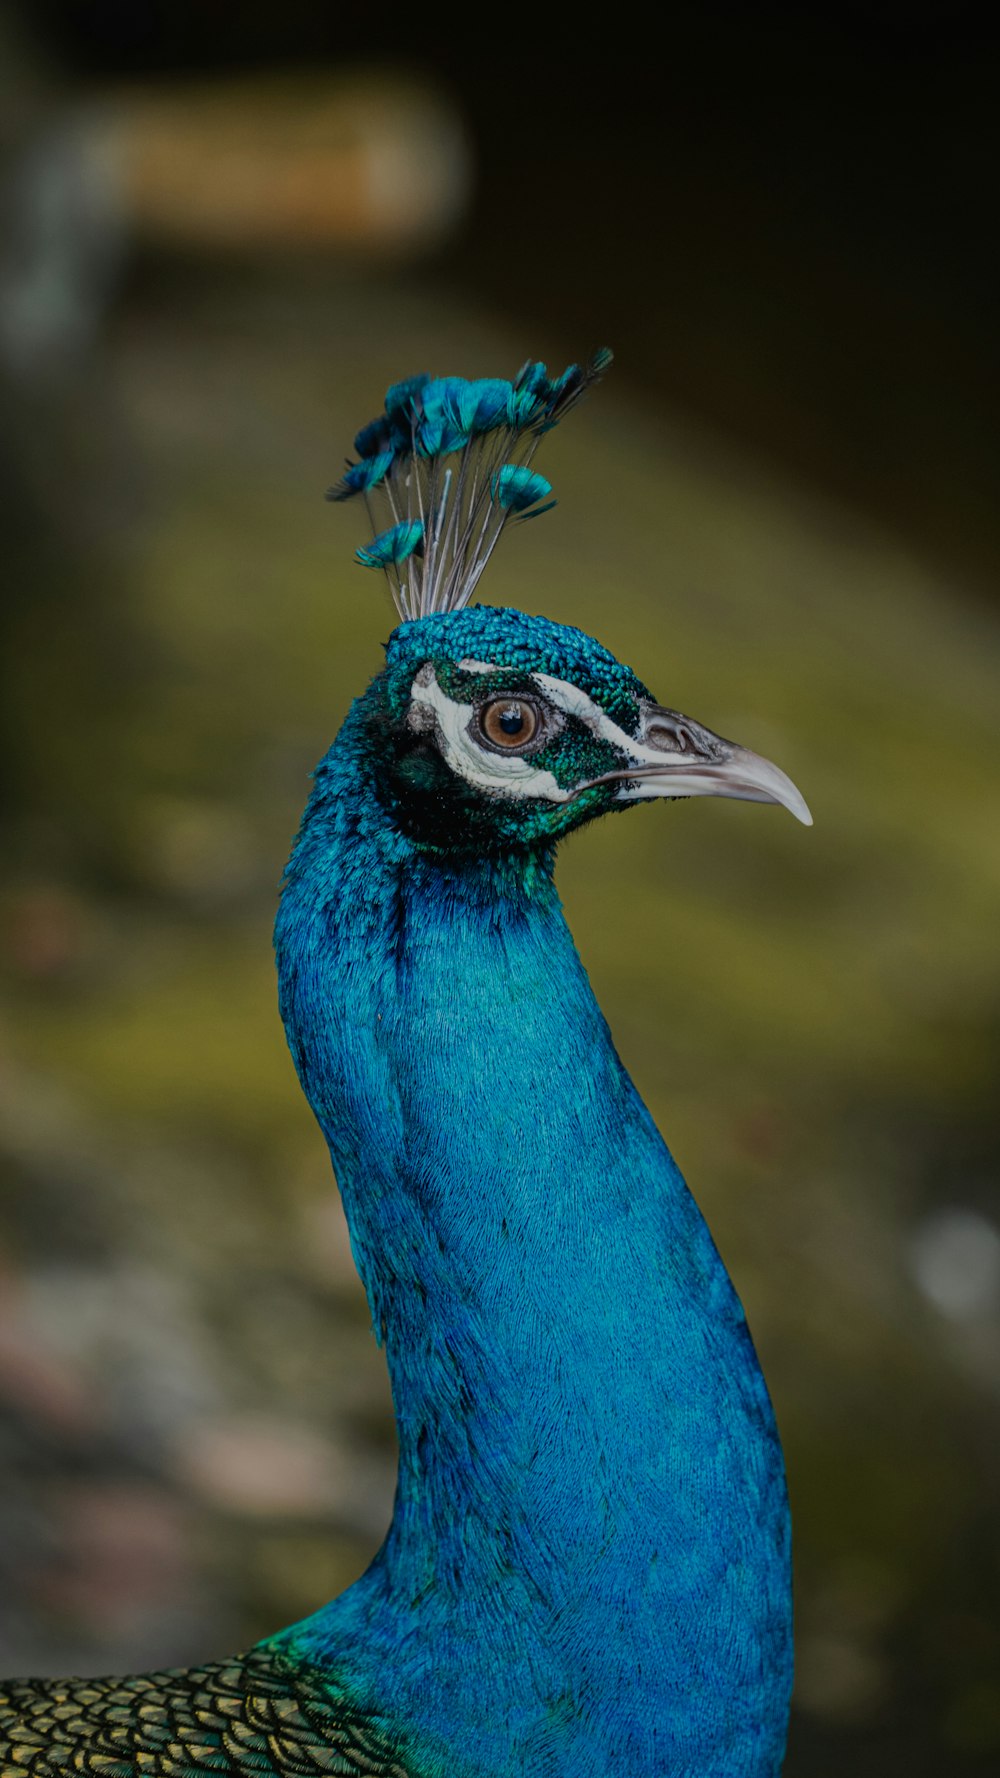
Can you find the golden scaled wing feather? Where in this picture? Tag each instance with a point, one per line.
(255, 1716)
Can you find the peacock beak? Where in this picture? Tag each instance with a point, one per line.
(674, 756)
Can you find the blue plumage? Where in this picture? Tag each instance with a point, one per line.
(392, 546)
(588, 1567)
(359, 477)
(452, 456)
(518, 489)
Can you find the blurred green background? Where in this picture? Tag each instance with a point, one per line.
(219, 246)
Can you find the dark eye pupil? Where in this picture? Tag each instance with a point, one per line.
(509, 722)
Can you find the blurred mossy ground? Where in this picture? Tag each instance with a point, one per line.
(812, 1016)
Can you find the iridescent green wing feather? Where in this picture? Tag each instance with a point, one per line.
(256, 1716)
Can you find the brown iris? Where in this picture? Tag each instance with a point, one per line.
(509, 722)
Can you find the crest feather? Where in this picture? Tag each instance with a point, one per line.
(446, 467)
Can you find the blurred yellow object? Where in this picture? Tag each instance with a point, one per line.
(376, 163)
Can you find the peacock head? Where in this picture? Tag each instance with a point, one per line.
(492, 729)
(497, 731)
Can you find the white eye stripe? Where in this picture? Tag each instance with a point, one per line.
(574, 702)
(507, 774)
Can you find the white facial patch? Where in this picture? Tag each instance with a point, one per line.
(575, 702)
(500, 773)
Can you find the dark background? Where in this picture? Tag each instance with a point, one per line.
(787, 224)
(780, 510)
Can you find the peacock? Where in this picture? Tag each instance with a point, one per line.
(588, 1566)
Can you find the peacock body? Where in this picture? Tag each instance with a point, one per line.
(587, 1570)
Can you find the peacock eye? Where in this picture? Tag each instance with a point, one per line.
(509, 723)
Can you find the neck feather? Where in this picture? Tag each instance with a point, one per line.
(590, 1522)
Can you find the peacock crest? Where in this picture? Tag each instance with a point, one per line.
(447, 466)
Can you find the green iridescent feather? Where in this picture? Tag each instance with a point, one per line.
(255, 1716)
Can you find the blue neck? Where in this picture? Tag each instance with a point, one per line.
(587, 1568)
